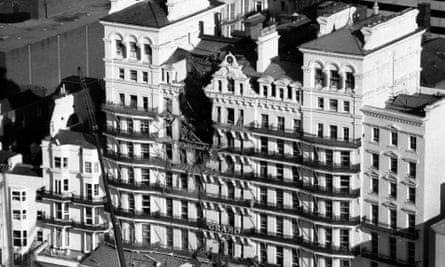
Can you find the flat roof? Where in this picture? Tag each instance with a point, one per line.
(80, 13)
(412, 104)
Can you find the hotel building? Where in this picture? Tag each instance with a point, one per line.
(283, 182)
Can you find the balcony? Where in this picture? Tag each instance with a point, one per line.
(69, 197)
(93, 227)
(129, 110)
(89, 200)
(310, 215)
(304, 136)
(386, 259)
(48, 220)
(300, 241)
(50, 195)
(292, 159)
(402, 232)
(159, 217)
(131, 134)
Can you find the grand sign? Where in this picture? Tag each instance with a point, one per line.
(225, 229)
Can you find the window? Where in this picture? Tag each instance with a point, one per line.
(319, 77)
(393, 165)
(280, 124)
(185, 239)
(263, 169)
(219, 85)
(413, 143)
(280, 146)
(375, 135)
(133, 101)
(295, 258)
(88, 167)
(344, 209)
(264, 144)
(328, 237)
(297, 125)
(134, 75)
(346, 107)
(392, 247)
(19, 238)
(375, 160)
(264, 121)
(280, 256)
(273, 90)
(320, 130)
(145, 76)
(263, 195)
(169, 207)
(169, 237)
(393, 190)
(184, 209)
(263, 223)
(335, 79)
(333, 131)
(333, 105)
(279, 195)
(265, 89)
(321, 103)
(40, 236)
(231, 85)
(230, 116)
(60, 162)
(169, 179)
(263, 252)
(375, 185)
(345, 158)
(344, 183)
(145, 126)
(19, 214)
(350, 80)
(411, 251)
(146, 204)
(279, 171)
(96, 189)
(344, 238)
(345, 133)
(393, 218)
(241, 88)
(122, 99)
(295, 200)
(295, 149)
(374, 213)
(279, 226)
(411, 221)
(412, 194)
(329, 157)
(394, 138)
(412, 169)
(19, 195)
(374, 242)
(121, 74)
(145, 151)
(145, 176)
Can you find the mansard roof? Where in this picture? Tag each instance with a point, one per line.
(148, 13)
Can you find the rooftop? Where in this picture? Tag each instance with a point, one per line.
(149, 13)
(412, 104)
(349, 39)
(71, 137)
(27, 170)
(81, 12)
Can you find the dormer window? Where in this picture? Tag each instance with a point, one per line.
(274, 90)
(350, 80)
(335, 79)
(220, 85)
(319, 77)
(231, 85)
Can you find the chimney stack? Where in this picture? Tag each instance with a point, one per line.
(253, 25)
(267, 47)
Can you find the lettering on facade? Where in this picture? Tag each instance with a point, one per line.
(226, 229)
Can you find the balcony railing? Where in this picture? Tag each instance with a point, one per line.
(43, 193)
(130, 110)
(131, 134)
(386, 259)
(378, 226)
(304, 136)
(310, 215)
(300, 241)
(294, 159)
(49, 220)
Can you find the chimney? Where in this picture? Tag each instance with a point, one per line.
(424, 17)
(267, 47)
(253, 25)
(375, 8)
(335, 19)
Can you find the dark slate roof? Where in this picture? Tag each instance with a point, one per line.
(284, 69)
(412, 104)
(148, 13)
(26, 169)
(433, 62)
(69, 137)
(349, 39)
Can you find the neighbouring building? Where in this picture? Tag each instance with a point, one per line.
(43, 50)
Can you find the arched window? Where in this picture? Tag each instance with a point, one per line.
(148, 53)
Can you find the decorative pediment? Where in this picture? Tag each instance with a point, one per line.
(391, 154)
